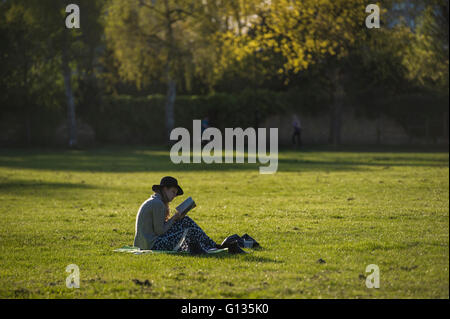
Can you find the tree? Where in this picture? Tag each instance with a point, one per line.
(40, 55)
(27, 65)
(148, 41)
(428, 54)
(51, 17)
(305, 33)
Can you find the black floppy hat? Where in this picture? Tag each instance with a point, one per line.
(168, 181)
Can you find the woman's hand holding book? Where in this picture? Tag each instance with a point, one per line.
(178, 215)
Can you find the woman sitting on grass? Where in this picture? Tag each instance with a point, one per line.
(156, 231)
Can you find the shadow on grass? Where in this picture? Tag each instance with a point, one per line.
(430, 148)
(386, 162)
(14, 185)
(225, 255)
(138, 159)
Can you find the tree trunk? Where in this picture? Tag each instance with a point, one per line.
(28, 128)
(445, 126)
(27, 107)
(171, 83)
(427, 129)
(379, 129)
(170, 106)
(337, 121)
(71, 120)
(336, 108)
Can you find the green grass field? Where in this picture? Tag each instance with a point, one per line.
(350, 208)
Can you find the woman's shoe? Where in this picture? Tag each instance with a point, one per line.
(234, 248)
(196, 249)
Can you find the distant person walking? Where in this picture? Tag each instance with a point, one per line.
(205, 123)
(297, 132)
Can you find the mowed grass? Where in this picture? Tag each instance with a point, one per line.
(349, 208)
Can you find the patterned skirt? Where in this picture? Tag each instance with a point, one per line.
(181, 234)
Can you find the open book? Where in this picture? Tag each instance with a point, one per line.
(186, 206)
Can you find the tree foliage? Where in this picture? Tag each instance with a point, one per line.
(143, 47)
(427, 57)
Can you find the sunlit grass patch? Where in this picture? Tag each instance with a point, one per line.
(321, 219)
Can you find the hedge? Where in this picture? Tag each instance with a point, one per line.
(141, 120)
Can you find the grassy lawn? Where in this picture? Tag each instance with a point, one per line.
(350, 208)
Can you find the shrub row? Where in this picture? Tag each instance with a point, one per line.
(141, 120)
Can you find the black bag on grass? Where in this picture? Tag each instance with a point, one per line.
(245, 241)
